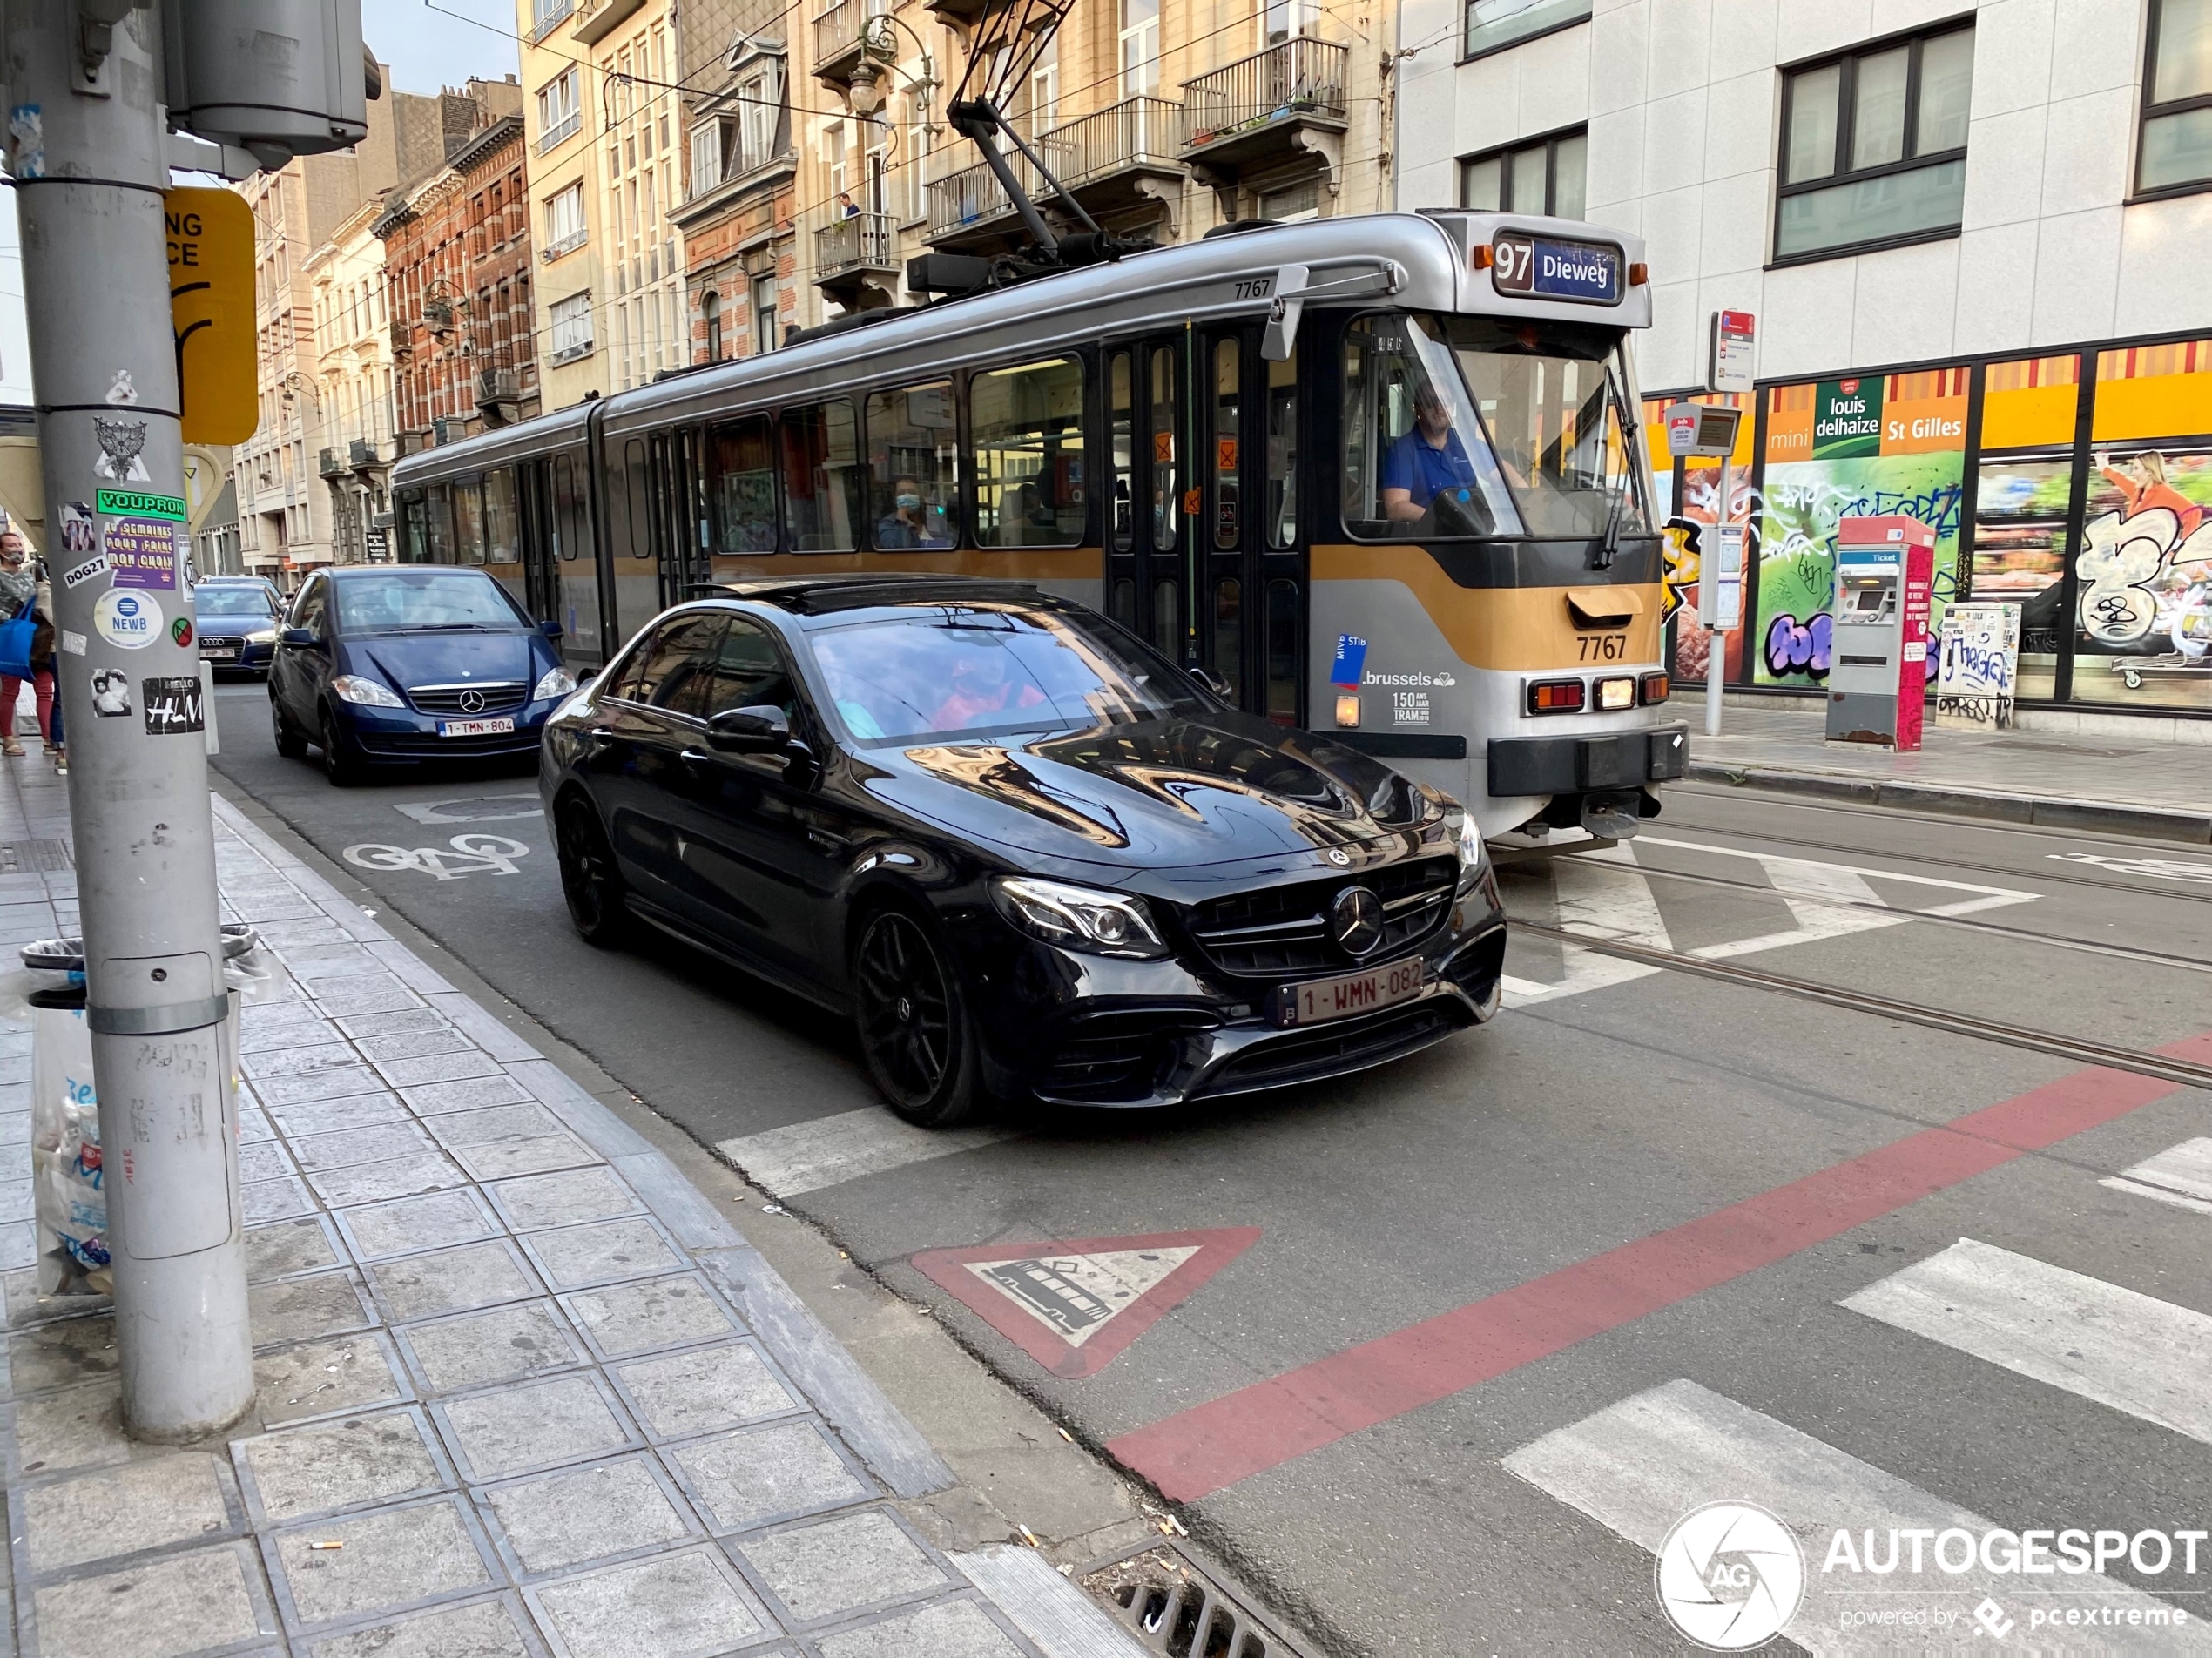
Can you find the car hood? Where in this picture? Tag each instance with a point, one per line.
(405, 659)
(1158, 795)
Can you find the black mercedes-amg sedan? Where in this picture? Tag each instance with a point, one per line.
(1028, 856)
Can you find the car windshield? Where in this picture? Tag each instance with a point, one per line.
(972, 670)
(412, 601)
(233, 603)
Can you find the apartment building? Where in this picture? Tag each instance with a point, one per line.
(353, 380)
(1973, 237)
(737, 215)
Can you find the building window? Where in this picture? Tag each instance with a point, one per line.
(764, 314)
(570, 327)
(1548, 176)
(1493, 24)
(565, 226)
(712, 144)
(1874, 146)
(1140, 35)
(711, 309)
(2176, 151)
(559, 112)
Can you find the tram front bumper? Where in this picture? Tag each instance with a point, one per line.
(1579, 764)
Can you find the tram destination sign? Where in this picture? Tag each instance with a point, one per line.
(1545, 268)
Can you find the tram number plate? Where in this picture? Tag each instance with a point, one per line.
(1546, 268)
(1601, 647)
(1318, 1001)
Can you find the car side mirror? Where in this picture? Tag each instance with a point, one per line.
(551, 629)
(299, 638)
(750, 731)
(1214, 683)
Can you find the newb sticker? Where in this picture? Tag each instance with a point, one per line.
(1351, 663)
(128, 618)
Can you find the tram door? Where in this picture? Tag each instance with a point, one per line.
(1246, 540)
(680, 539)
(1147, 586)
(541, 539)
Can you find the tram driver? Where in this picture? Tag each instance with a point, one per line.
(1427, 459)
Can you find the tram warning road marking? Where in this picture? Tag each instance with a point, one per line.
(2181, 1176)
(1638, 1466)
(1075, 1307)
(807, 1156)
(2172, 869)
(1212, 1445)
(2114, 1345)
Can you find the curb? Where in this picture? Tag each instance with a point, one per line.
(1990, 806)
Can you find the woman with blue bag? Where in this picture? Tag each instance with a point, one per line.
(26, 641)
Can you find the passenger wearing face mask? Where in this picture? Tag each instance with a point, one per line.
(912, 523)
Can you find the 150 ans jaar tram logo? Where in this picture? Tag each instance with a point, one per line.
(1729, 1576)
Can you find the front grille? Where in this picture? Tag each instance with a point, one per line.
(1114, 1057)
(446, 700)
(1279, 930)
(220, 642)
(1330, 1050)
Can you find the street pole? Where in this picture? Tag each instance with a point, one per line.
(88, 159)
(1708, 603)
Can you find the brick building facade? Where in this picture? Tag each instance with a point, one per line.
(740, 209)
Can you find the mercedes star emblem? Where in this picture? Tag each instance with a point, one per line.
(1356, 920)
(1340, 858)
(472, 702)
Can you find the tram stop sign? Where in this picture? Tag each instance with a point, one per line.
(1704, 429)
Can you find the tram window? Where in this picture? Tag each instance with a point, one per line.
(914, 478)
(1228, 400)
(440, 513)
(503, 528)
(1417, 461)
(742, 456)
(1027, 429)
(572, 523)
(1167, 620)
(821, 478)
(1167, 494)
(1229, 635)
(1125, 610)
(469, 522)
(1282, 652)
(1282, 453)
(415, 529)
(641, 498)
(1124, 439)
(1552, 400)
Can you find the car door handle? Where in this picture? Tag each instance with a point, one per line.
(696, 757)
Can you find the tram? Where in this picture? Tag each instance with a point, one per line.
(1379, 476)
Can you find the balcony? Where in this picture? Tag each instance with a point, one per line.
(546, 16)
(363, 453)
(402, 339)
(498, 386)
(595, 19)
(332, 463)
(850, 252)
(1120, 159)
(840, 29)
(1267, 110)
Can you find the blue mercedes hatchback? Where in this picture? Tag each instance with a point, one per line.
(383, 664)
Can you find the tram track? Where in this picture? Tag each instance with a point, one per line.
(2080, 1050)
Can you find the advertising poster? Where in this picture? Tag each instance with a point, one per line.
(1840, 448)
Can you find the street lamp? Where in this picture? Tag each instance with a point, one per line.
(867, 94)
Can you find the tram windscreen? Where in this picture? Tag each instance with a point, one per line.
(1459, 426)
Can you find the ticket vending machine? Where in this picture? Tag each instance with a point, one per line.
(1877, 670)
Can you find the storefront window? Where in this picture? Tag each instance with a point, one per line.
(2024, 489)
(1855, 447)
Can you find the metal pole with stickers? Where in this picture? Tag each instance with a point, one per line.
(92, 89)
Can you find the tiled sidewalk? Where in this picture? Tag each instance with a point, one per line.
(521, 1390)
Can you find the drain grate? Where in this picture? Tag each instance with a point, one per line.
(21, 856)
(1175, 1607)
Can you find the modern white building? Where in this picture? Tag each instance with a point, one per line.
(1975, 239)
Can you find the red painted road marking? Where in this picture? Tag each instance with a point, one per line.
(1031, 1303)
(1210, 1446)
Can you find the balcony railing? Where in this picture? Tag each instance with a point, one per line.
(858, 242)
(332, 463)
(1137, 131)
(561, 129)
(838, 28)
(547, 16)
(1296, 78)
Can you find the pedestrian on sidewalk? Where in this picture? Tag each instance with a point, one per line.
(23, 585)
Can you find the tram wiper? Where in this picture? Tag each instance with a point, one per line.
(1603, 557)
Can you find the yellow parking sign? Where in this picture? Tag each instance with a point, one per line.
(210, 305)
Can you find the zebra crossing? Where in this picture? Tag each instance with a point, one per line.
(1623, 894)
(1639, 1466)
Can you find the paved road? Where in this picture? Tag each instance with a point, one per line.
(1461, 1339)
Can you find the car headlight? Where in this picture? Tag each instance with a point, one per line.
(558, 682)
(261, 635)
(1079, 918)
(1472, 854)
(352, 688)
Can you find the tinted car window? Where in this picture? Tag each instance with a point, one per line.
(951, 671)
(308, 609)
(749, 672)
(676, 669)
(232, 603)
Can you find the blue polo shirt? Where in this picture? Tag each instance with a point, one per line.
(1419, 467)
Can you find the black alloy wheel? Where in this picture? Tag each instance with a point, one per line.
(338, 762)
(290, 744)
(590, 880)
(914, 1035)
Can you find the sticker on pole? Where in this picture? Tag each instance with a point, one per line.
(1073, 1306)
(142, 552)
(127, 618)
(174, 705)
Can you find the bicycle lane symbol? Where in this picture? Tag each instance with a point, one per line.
(462, 856)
